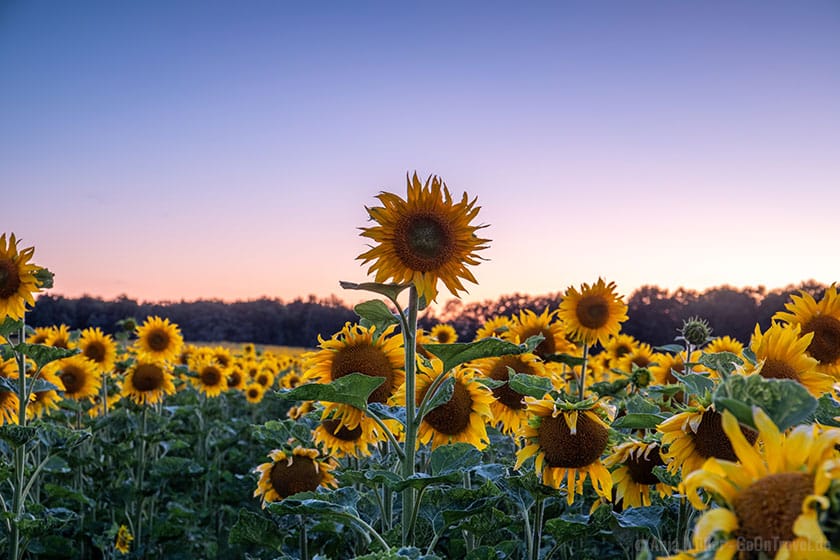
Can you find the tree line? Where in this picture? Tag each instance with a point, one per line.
(655, 314)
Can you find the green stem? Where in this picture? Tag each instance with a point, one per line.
(529, 542)
(583, 371)
(390, 435)
(537, 535)
(408, 466)
(469, 538)
(16, 550)
(141, 471)
(304, 540)
(430, 393)
(363, 525)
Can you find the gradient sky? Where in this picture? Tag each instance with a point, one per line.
(182, 150)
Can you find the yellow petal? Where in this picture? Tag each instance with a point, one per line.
(713, 521)
(750, 458)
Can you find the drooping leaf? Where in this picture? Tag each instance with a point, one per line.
(454, 457)
(353, 389)
(695, 383)
(442, 394)
(827, 412)
(530, 385)
(8, 385)
(458, 353)
(721, 362)
(9, 326)
(567, 359)
(16, 435)
(649, 518)
(639, 421)
(670, 348)
(342, 501)
(376, 313)
(42, 354)
(384, 411)
(391, 291)
(785, 401)
(255, 529)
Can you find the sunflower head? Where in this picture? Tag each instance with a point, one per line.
(18, 280)
(822, 318)
(159, 339)
(254, 392)
(424, 238)
(123, 541)
(494, 327)
(634, 479)
(99, 348)
(288, 473)
(594, 313)
(78, 376)
(528, 324)
(147, 381)
(443, 334)
(210, 378)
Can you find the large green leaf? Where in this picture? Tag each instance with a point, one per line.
(391, 291)
(649, 518)
(530, 385)
(255, 529)
(353, 389)
(376, 313)
(342, 501)
(721, 362)
(42, 354)
(827, 411)
(569, 527)
(637, 404)
(458, 353)
(454, 457)
(785, 401)
(696, 383)
(567, 359)
(9, 326)
(442, 394)
(639, 421)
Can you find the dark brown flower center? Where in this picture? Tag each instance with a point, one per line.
(339, 430)
(9, 278)
(452, 417)
(210, 376)
(60, 340)
(621, 350)
(571, 451)
(222, 359)
(640, 360)
(504, 394)
(592, 311)
(444, 337)
(369, 360)
(768, 508)
(73, 377)
(711, 441)
(147, 377)
(825, 346)
(253, 393)
(778, 369)
(544, 348)
(158, 340)
(641, 468)
(300, 476)
(95, 351)
(234, 379)
(423, 242)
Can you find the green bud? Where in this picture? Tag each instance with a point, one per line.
(696, 331)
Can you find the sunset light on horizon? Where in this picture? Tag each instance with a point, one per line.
(174, 151)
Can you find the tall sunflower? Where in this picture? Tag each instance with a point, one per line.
(634, 479)
(463, 418)
(641, 356)
(443, 334)
(39, 335)
(159, 339)
(821, 318)
(290, 473)
(425, 238)
(568, 444)
(17, 278)
(78, 375)
(770, 500)
(782, 354)
(254, 392)
(148, 381)
(508, 406)
(594, 313)
(99, 348)
(619, 346)
(691, 437)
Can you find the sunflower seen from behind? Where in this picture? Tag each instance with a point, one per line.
(159, 339)
(18, 282)
(594, 313)
(771, 499)
(424, 238)
(291, 472)
(567, 445)
(822, 318)
(148, 381)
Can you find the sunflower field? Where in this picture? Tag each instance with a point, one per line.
(550, 435)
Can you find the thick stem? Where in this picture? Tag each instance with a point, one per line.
(537, 536)
(408, 466)
(15, 548)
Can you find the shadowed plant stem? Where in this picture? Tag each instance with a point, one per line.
(15, 549)
(408, 466)
(583, 371)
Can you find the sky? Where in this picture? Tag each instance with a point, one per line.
(183, 150)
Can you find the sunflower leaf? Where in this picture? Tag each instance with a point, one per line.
(639, 421)
(353, 389)
(442, 395)
(491, 383)
(384, 411)
(649, 518)
(16, 435)
(827, 411)
(342, 501)
(9, 326)
(670, 348)
(458, 353)
(638, 404)
(422, 480)
(375, 312)
(8, 385)
(391, 291)
(454, 457)
(567, 359)
(42, 355)
(253, 528)
(785, 401)
(276, 433)
(530, 385)
(722, 362)
(696, 383)
(569, 527)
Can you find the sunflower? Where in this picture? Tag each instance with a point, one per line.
(695, 435)
(42, 402)
(463, 418)
(248, 349)
(667, 364)
(528, 324)
(781, 354)
(17, 278)
(634, 479)
(186, 354)
(443, 334)
(265, 378)
(39, 335)
(508, 406)
(362, 350)
(148, 381)
(123, 542)
(99, 348)
(159, 339)
(78, 376)
(9, 402)
(769, 501)
(340, 441)
(619, 346)
(593, 314)
(254, 392)
(59, 337)
(235, 378)
(291, 473)
(211, 378)
(423, 239)
(299, 411)
(821, 318)
(222, 356)
(568, 444)
(494, 327)
(724, 344)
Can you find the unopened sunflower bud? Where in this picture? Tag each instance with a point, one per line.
(696, 331)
